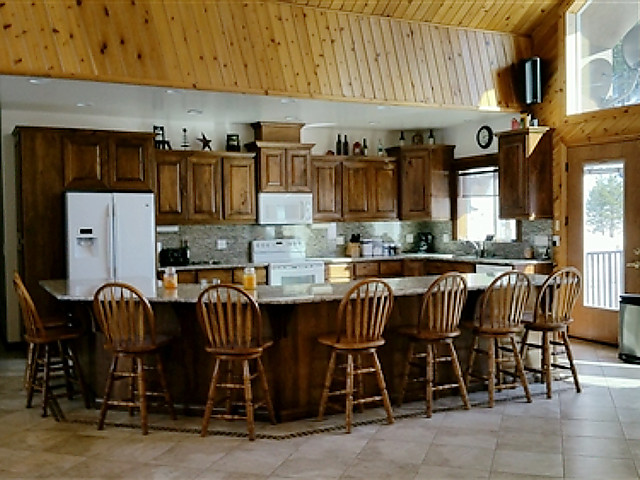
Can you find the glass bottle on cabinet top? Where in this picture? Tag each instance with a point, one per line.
(380, 148)
(345, 146)
(401, 141)
(365, 148)
(339, 146)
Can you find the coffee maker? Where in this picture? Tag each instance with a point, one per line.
(424, 242)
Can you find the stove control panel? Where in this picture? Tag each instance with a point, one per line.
(278, 250)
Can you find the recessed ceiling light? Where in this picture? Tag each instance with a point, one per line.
(39, 81)
(288, 118)
(381, 107)
(373, 123)
(320, 125)
(287, 100)
(84, 104)
(194, 111)
(171, 92)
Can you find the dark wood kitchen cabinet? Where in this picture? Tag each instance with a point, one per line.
(204, 187)
(239, 180)
(52, 160)
(327, 188)
(98, 160)
(282, 166)
(369, 189)
(424, 181)
(171, 174)
(525, 159)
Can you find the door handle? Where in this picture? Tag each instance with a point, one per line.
(635, 264)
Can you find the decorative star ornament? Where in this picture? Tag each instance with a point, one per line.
(206, 142)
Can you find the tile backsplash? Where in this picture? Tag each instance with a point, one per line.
(329, 239)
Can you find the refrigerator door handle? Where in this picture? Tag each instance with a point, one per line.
(111, 240)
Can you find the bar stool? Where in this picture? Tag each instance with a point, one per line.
(232, 323)
(551, 316)
(438, 323)
(362, 316)
(51, 355)
(128, 323)
(498, 317)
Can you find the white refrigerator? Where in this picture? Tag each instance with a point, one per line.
(111, 236)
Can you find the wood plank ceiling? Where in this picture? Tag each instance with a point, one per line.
(362, 51)
(519, 17)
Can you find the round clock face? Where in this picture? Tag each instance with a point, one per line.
(484, 137)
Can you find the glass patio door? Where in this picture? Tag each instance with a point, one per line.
(603, 209)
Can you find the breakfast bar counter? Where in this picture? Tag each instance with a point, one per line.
(294, 316)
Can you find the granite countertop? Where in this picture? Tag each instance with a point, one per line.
(264, 294)
(443, 257)
(214, 266)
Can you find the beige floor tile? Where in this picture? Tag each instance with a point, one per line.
(527, 463)
(378, 469)
(396, 451)
(520, 476)
(477, 419)
(419, 429)
(519, 423)
(473, 458)
(597, 447)
(470, 438)
(523, 441)
(94, 468)
(599, 467)
(429, 472)
(587, 428)
(313, 468)
(260, 457)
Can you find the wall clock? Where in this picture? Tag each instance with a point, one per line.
(484, 136)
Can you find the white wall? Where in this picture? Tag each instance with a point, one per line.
(463, 136)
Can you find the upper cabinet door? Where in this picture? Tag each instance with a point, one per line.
(356, 186)
(525, 173)
(273, 170)
(327, 189)
(85, 160)
(239, 189)
(129, 162)
(298, 165)
(204, 188)
(384, 190)
(170, 188)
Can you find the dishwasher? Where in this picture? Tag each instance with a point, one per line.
(629, 331)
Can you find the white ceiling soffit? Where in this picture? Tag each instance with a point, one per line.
(162, 104)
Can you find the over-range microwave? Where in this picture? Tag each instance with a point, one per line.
(285, 208)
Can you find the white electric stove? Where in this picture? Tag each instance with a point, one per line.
(287, 261)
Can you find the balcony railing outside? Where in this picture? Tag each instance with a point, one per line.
(603, 279)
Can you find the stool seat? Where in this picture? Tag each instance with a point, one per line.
(330, 340)
(428, 335)
(146, 344)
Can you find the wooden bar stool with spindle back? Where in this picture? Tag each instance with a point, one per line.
(232, 323)
(51, 355)
(552, 316)
(498, 317)
(362, 316)
(129, 326)
(437, 325)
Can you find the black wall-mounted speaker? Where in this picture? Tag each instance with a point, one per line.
(531, 80)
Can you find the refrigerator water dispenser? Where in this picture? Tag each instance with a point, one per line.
(86, 243)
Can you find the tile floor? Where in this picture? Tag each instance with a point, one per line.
(594, 435)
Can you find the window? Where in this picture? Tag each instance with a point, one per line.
(603, 55)
(478, 207)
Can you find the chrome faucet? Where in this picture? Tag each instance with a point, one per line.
(478, 248)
